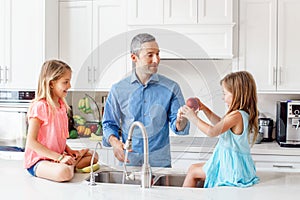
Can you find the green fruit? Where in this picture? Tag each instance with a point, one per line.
(99, 131)
(73, 134)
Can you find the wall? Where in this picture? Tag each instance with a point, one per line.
(99, 97)
(267, 102)
(196, 78)
(200, 78)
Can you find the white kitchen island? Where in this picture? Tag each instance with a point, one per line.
(16, 183)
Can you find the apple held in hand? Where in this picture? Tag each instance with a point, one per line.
(193, 103)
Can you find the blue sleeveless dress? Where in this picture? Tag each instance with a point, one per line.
(231, 163)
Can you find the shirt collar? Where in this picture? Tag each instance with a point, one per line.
(154, 78)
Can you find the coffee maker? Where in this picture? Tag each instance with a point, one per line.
(288, 123)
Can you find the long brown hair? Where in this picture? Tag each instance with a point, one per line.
(51, 70)
(242, 86)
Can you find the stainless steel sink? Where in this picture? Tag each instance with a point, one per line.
(158, 179)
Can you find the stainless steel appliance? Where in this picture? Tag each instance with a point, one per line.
(288, 123)
(266, 129)
(13, 121)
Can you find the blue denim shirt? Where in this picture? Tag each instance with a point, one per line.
(155, 104)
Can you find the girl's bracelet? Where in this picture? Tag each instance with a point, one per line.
(60, 158)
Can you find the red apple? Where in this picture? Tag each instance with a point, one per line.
(199, 102)
(93, 128)
(192, 103)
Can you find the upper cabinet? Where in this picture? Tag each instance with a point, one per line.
(75, 40)
(28, 36)
(215, 11)
(89, 41)
(208, 24)
(268, 43)
(145, 12)
(158, 12)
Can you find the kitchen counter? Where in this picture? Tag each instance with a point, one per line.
(16, 183)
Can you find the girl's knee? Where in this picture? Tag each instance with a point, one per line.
(66, 173)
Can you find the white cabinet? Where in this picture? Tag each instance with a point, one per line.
(269, 42)
(215, 11)
(157, 12)
(26, 30)
(88, 32)
(208, 24)
(142, 12)
(288, 69)
(286, 163)
(75, 40)
(180, 12)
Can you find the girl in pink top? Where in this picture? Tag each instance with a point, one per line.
(47, 154)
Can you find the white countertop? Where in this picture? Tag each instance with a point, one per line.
(16, 183)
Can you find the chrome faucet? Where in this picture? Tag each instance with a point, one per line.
(92, 174)
(146, 173)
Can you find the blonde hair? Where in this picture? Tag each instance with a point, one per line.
(242, 86)
(52, 70)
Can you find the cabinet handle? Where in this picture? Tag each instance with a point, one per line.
(6, 74)
(279, 76)
(274, 76)
(283, 166)
(94, 74)
(1, 79)
(89, 74)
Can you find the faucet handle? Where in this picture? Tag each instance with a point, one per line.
(128, 144)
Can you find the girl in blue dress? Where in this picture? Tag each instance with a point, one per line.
(231, 163)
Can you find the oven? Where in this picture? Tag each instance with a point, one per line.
(13, 120)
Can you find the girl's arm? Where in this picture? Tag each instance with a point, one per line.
(231, 121)
(32, 142)
(211, 116)
(76, 154)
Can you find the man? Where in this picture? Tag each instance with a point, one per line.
(147, 97)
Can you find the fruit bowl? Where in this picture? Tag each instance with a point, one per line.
(88, 128)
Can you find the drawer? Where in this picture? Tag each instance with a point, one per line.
(282, 163)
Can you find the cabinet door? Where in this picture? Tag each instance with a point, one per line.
(215, 11)
(4, 40)
(288, 45)
(180, 12)
(75, 29)
(281, 163)
(27, 43)
(109, 42)
(143, 12)
(257, 50)
(22, 47)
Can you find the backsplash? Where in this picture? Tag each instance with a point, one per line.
(99, 97)
(267, 103)
(196, 78)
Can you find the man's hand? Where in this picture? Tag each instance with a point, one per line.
(181, 122)
(118, 148)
